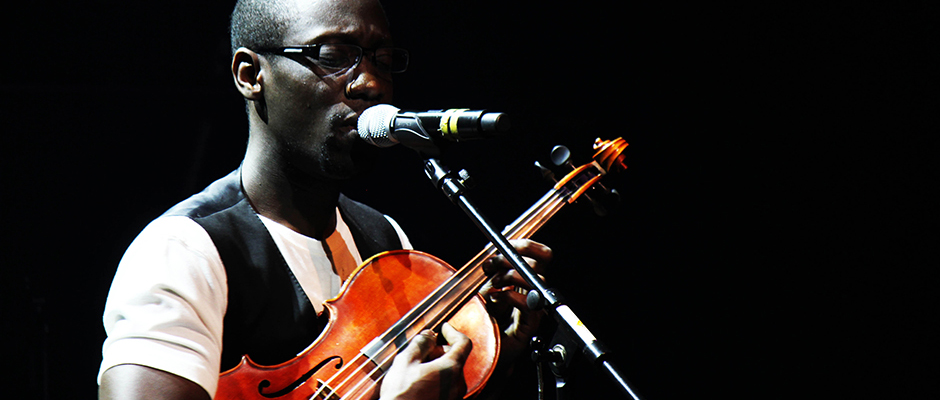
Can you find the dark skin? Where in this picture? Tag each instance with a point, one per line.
(301, 148)
(131, 381)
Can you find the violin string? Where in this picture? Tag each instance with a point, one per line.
(531, 221)
(385, 356)
(524, 226)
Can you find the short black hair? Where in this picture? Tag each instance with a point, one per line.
(259, 24)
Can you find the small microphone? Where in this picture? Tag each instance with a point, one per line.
(384, 125)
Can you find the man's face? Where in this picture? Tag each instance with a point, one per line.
(311, 115)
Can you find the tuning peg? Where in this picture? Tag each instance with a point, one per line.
(547, 174)
(561, 156)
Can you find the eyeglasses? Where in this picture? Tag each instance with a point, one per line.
(340, 57)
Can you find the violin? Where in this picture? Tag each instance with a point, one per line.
(395, 295)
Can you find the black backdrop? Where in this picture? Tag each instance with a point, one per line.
(776, 234)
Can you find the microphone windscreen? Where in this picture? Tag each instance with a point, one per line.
(375, 124)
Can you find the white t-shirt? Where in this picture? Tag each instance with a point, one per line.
(169, 294)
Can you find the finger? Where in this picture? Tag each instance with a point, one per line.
(525, 325)
(508, 279)
(491, 265)
(460, 344)
(513, 298)
(499, 264)
(420, 346)
(532, 249)
(535, 254)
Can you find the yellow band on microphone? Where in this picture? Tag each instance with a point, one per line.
(448, 125)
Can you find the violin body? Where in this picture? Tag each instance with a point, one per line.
(381, 291)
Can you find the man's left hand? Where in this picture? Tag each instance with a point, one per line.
(507, 304)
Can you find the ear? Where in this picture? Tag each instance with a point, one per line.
(246, 70)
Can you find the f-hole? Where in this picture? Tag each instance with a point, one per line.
(300, 381)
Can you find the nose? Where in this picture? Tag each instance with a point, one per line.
(367, 82)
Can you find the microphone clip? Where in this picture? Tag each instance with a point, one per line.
(410, 132)
(453, 185)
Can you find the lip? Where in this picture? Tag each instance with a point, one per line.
(346, 131)
(349, 121)
(347, 126)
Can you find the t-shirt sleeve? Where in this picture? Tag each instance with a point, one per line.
(167, 303)
(405, 243)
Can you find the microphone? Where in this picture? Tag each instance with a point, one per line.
(384, 125)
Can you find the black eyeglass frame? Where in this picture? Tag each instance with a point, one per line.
(312, 52)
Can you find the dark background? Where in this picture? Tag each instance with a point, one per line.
(776, 235)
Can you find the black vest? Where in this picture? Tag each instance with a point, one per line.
(269, 317)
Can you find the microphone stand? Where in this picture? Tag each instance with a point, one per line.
(577, 338)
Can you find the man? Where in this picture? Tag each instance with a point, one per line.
(307, 69)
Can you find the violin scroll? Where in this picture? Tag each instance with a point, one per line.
(610, 154)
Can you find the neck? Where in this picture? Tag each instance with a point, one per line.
(293, 198)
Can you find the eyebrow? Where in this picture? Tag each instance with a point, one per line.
(347, 38)
(333, 37)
